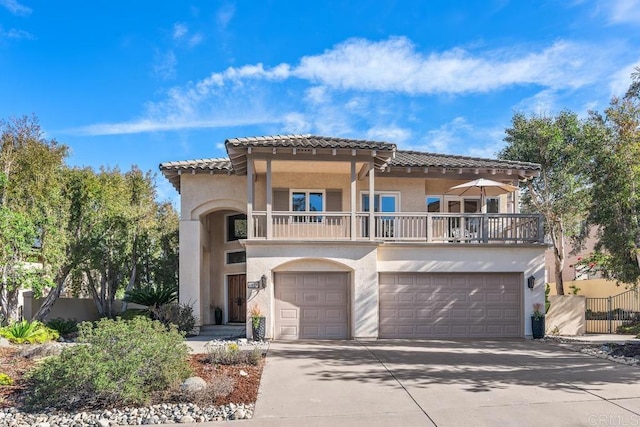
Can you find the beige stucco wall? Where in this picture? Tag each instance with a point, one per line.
(81, 309)
(528, 260)
(566, 315)
(201, 194)
(593, 288)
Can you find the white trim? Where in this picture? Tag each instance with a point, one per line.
(235, 250)
(496, 198)
(396, 194)
(434, 196)
(307, 191)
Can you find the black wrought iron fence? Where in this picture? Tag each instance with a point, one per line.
(604, 315)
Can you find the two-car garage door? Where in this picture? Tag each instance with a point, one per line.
(442, 305)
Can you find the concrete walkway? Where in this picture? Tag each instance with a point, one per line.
(443, 383)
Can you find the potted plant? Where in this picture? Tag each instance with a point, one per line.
(218, 315)
(258, 323)
(537, 321)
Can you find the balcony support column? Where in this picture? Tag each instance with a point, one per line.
(250, 233)
(352, 196)
(269, 223)
(372, 200)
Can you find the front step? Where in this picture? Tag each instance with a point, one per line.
(223, 332)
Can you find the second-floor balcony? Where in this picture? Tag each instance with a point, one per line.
(422, 227)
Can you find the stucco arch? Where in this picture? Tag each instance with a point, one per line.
(312, 264)
(217, 205)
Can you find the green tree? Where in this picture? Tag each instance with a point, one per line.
(615, 176)
(30, 210)
(560, 193)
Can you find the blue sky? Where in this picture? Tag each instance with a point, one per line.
(144, 82)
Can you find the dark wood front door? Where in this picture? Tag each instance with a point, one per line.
(237, 298)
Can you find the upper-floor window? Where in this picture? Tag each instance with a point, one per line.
(307, 201)
(236, 227)
(382, 202)
(493, 205)
(434, 204)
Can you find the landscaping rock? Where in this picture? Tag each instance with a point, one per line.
(38, 351)
(193, 384)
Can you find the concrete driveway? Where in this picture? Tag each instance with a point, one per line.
(443, 383)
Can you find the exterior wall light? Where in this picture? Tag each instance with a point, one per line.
(531, 281)
(263, 281)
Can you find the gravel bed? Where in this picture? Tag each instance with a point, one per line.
(625, 354)
(156, 414)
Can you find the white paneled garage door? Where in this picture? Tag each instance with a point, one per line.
(311, 305)
(442, 305)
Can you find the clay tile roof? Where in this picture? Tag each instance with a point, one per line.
(221, 164)
(308, 141)
(418, 159)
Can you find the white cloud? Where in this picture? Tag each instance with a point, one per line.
(391, 133)
(148, 125)
(395, 65)
(355, 86)
(621, 80)
(224, 15)
(295, 123)
(195, 40)
(623, 11)
(16, 8)
(542, 103)
(165, 65)
(443, 139)
(16, 34)
(179, 30)
(316, 95)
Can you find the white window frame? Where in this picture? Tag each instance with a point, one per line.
(492, 198)
(396, 194)
(460, 199)
(433, 196)
(307, 191)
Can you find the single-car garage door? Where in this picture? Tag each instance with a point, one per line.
(442, 305)
(311, 305)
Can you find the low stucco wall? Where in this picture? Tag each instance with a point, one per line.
(81, 309)
(592, 288)
(567, 314)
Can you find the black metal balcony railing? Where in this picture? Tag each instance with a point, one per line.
(400, 227)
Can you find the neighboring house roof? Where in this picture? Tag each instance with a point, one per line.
(386, 154)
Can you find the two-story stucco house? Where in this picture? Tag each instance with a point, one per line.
(339, 239)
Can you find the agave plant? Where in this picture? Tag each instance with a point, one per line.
(28, 332)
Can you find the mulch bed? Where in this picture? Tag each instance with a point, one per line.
(245, 388)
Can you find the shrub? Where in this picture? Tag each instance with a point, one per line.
(179, 315)
(230, 354)
(64, 327)
(632, 328)
(121, 363)
(152, 296)
(28, 332)
(5, 379)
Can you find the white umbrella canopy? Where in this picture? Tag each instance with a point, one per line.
(482, 187)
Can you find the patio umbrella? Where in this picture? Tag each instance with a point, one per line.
(481, 187)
